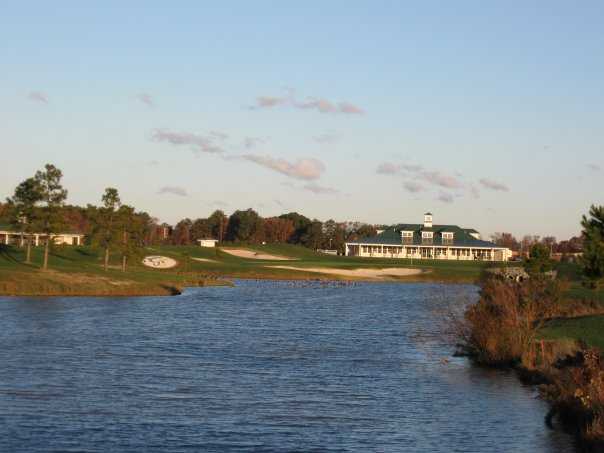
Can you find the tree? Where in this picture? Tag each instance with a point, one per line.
(301, 225)
(313, 238)
(505, 240)
(550, 242)
(538, 261)
(133, 228)
(334, 236)
(527, 242)
(278, 230)
(182, 232)
(106, 233)
(245, 226)
(593, 245)
(52, 197)
(200, 229)
(362, 231)
(27, 195)
(218, 223)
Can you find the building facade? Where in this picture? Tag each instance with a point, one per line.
(207, 242)
(428, 241)
(17, 238)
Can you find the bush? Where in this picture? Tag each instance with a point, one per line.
(504, 322)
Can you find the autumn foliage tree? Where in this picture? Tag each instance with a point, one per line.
(278, 230)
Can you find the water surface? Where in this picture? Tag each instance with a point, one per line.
(262, 367)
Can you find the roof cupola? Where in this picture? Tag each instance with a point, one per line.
(428, 220)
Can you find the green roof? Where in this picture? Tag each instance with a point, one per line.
(392, 236)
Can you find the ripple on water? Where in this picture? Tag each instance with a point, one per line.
(261, 367)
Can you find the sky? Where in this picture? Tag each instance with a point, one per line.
(487, 114)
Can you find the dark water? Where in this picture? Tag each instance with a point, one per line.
(264, 367)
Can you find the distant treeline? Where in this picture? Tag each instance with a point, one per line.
(572, 245)
(247, 226)
(38, 206)
(31, 206)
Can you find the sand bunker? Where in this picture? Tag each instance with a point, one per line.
(367, 273)
(251, 254)
(204, 260)
(159, 262)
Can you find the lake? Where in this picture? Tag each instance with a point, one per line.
(264, 366)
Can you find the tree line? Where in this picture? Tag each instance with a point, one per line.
(247, 226)
(570, 246)
(38, 206)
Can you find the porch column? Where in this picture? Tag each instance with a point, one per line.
(37, 239)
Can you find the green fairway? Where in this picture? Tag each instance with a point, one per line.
(589, 329)
(79, 269)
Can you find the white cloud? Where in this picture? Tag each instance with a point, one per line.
(252, 142)
(594, 167)
(305, 169)
(146, 99)
(326, 139)
(413, 187)
(440, 179)
(445, 197)
(320, 105)
(199, 143)
(38, 96)
(320, 190)
(172, 190)
(493, 185)
(388, 168)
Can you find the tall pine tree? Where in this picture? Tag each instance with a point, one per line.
(593, 245)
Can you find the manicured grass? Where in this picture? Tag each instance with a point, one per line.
(79, 271)
(86, 262)
(589, 329)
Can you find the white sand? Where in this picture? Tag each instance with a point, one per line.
(205, 260)
(159, 262)
(377, 274)
(251, 254)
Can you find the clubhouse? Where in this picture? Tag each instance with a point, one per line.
(17, 238)
(428, 241)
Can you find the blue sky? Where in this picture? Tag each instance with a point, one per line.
(488, 114)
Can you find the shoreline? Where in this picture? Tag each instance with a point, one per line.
(166, 288)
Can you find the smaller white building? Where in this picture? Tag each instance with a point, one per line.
(18, 238)
(207, 242)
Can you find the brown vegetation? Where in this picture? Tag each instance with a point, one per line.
(505, 321)
(501, 329)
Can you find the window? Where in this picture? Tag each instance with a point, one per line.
(427, 234)
(407, 234)
(448, 236)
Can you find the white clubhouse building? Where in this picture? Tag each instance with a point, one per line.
(428, 241)
(17, 238)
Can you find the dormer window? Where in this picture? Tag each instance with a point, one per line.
(427, 234)
(447, 236)
(407, 237)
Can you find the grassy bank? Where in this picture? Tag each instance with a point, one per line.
(78, 270)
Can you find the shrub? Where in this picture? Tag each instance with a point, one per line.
(504, 322)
